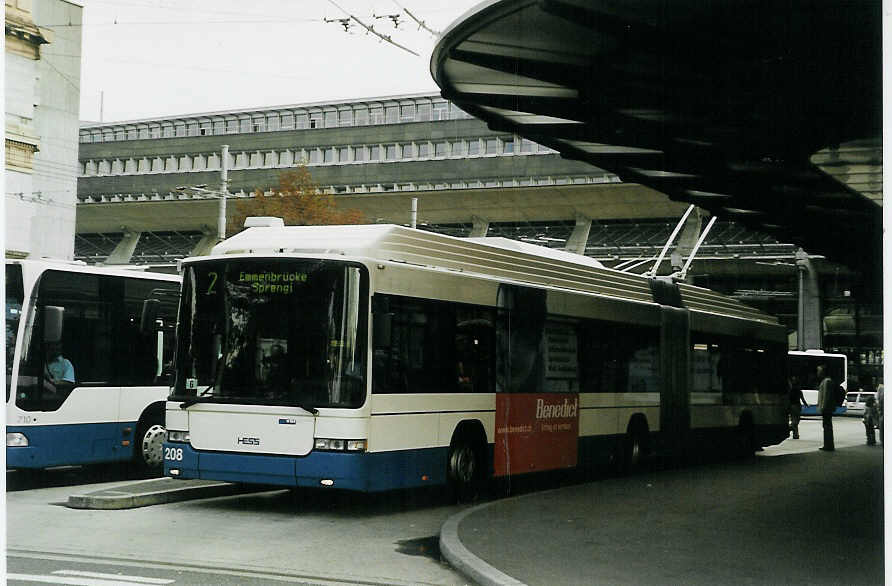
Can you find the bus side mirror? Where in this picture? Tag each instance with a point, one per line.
(150, 310)
(52, 323)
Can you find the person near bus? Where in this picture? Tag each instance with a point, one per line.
(880, 410)
(797, 400)
(870, 418)
(826, 406)
(59, 370)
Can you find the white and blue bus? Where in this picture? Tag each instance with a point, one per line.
(88, 352)
(802, 368)
(371, 358)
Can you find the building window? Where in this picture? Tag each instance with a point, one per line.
(361, 116)
(180, 129)
(457, 113)
(206, 129)
(408, 150)
(287, 121)
(245, 125)
(458, 148)
(232, 126)
(192, 129)
(440, 111)
(119, 134)
(259, 124)
(273, 121)
(302, 120)
(97, 136)
(474, 147)
(155, 131)
(131, 134)
(391, 114)
(392, 152)
(345, 118)
(442, 149)
(143, 132)
(359, 153)
(376, 115)
(424, 112)
(374, 153)
(527, 146)
(329, 155)
(331, 119)
(344, 155)
(314, 156)
(424, 150)
(508, 146)
(492, 146)
(316, 120)
(219, 127)
(407, 113)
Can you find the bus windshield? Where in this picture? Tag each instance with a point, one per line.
(273, 332)
(15, 293)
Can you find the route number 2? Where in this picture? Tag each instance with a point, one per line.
(174, 454)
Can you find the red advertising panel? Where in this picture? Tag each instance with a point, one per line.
(535, 432)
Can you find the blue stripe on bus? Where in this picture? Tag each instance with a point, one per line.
(70, 445)
(367, 472)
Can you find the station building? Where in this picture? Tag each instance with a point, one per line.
(149, 192)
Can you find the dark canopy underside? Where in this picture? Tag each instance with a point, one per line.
(736, 106)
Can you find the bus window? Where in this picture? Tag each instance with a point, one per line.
(521, 339)
(435, 347)
(619, 358)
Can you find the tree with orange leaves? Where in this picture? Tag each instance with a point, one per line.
(297, 199)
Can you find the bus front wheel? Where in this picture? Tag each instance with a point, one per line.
(148, 449)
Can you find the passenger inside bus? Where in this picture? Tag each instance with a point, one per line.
(59, 370)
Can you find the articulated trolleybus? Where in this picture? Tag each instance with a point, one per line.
(379, 357)
(86, 349)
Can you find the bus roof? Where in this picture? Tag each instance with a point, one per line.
(488, 257)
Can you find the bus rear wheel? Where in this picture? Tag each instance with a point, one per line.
(464, 471)
(148, 449)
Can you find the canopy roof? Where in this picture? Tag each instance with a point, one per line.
(728, 105)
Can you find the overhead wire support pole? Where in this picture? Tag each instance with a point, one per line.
(421, 23)
(224, 191)
(652, 272)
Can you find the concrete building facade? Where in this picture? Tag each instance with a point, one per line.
(147, 193)
(42, 120)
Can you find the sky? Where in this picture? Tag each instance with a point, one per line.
(149, 58)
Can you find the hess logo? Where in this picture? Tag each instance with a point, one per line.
(248, 441)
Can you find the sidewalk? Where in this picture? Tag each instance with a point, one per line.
(767, 521)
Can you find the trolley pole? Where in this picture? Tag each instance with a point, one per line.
(224, 190)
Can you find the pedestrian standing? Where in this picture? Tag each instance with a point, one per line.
(880, 410)
(870, 419)
(797, 400)
(826, 406)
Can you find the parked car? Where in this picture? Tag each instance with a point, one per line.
(855, 402)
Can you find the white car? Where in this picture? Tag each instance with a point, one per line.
(855, 402)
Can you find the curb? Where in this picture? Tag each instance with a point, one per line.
(114, 499)
(466, 562)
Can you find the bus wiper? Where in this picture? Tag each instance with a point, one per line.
(199, 398)
(308, 408)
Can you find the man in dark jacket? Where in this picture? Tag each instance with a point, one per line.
(826, 406)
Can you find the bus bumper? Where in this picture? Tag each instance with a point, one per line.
(68, 445)
(365, 472)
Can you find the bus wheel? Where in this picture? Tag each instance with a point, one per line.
(634, 449)
(464, 470)
(149, 449)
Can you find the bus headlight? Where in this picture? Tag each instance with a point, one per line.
(339, 445)
(181, 437)
(16, 440)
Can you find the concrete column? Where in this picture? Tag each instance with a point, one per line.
(809, 325)
(123, 252)
(207, 242)
(690, 233)
(579, 237)
(480, 227)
